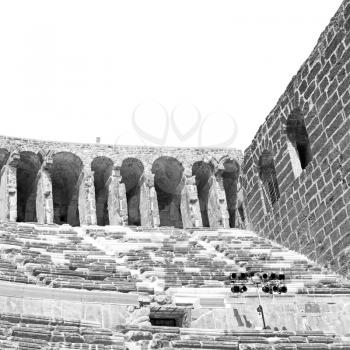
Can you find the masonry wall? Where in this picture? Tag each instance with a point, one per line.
(312, 213)
(78, 177)
(105, 309)
(187, 156)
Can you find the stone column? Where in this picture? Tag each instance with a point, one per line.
(86, 198)
(117, 202)
(44, 196)
(217, 205)
(8, 189)
(240, 222)
(190, 208)
(148, 201)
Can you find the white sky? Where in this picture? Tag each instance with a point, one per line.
(74, 70)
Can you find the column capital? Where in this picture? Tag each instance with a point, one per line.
(86, 177)
(47, 164)
(187, 179)
(187, 172)
(147, 167)
(86, 169)
(219, 169)
(147, 178)
(13, 159)
(47, 160)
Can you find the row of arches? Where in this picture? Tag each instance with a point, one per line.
(168, 174)
(66, 175)
(65, 172)
(228, 176)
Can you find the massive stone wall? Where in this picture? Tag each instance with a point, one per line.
(296, 170)
(88, 184)
(117, 153)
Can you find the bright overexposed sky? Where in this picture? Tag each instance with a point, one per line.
(154, 72)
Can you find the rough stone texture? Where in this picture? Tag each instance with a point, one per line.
(94, 273)
(147, 155)
(106, 313)
(148, 201)
(190, 209)
(8, 192)
(153, 188)
(312, 213)
(117, 203)
(125, 278)
(294, 189)
(217, 204)
(87, 202)
(44, 200)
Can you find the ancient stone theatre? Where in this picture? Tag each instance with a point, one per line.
(122, 247)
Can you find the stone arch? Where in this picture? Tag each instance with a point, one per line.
(66, 171)
(27, 171)
(29, 148)
(131, 171)
(168, 173)
(203, 171)
(267, 174)
(102, 167)
(230, 171)
(298, 138)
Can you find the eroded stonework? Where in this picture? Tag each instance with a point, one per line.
(82, 184)
(296, 172)
(133, 248)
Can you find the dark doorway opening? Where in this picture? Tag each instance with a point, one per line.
(27, 171)
(131, 172)
(102, 168)
(230, 176)
(202, 172)
(164, 322)
(66, 170)
(168, 174)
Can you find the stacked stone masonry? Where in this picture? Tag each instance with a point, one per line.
(126, 277)
(108, 247)
(296, 172)
(88, 184)
(30, 332)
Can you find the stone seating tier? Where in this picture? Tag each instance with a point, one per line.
(33, 332)
(140, 259)
(182, 338)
